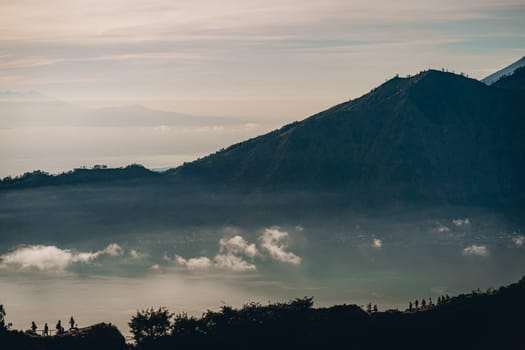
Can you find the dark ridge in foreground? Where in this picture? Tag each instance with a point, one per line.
(479, 320)
(97, 337)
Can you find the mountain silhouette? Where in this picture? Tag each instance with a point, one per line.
(515, 81)
(507, 71)
(434, 136)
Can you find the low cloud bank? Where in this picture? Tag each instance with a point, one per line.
(52, 258)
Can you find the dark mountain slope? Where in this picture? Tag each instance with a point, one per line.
(96, 175)
(435, 136)
(507, 71)
(515, 81)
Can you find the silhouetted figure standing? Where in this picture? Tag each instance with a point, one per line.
(46, 330)
(71, 323)
(369, 308)
(430, 302)
(375, 307)
(59, 328)
(416, 303)
(423, 303)
(410, 307)
(33, 327)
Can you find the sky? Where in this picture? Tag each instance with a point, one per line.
(263, 62)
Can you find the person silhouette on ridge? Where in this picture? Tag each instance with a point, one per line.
(46, 330)
(33, 326)
(59, 327)
(71, 323)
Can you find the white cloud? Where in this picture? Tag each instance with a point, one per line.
(233, 248)
(461, 222)
(442, 228)
(238, 245)
(200, 263)
(377, 243)
(134, 254)
(476, 250)
(233, 262)
(519, 241)
(113, 250)
(52, 258)
(227, 261)
(275, 242)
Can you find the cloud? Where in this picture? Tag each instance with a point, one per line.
(238, 245)
(233, 262)
(442, 228)
(461, 222)
(134, 254)
(232, 250)
(377, 243)
(227, 261)
(52, 258)
(275, 243)
(476, 250)
(519, 241)
(200, 263)
(113, 250)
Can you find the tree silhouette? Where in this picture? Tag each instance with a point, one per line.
(150, 324)
(2, 318)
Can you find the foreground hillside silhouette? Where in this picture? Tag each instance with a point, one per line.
(479, 320)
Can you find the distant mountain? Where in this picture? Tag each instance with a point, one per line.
(435, 136)
(96, 175)
(17, 112)
(21, 95)
(509, 70)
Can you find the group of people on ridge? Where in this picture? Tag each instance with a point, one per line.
(425, 304)
(59, 328)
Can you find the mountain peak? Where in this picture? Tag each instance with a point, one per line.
(433, 136)
(509, 70)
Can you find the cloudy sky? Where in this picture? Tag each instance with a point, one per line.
(311, 52)
(260, 60)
